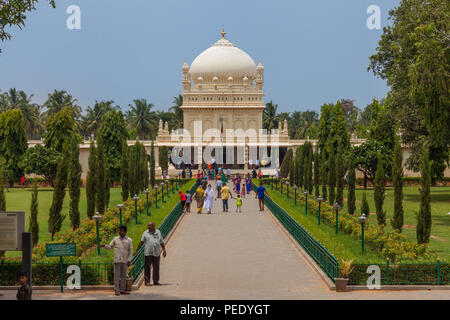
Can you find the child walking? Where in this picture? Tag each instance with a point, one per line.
(243, 191)
(188, 202)
(238, 203)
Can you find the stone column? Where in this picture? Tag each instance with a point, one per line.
(246, 158)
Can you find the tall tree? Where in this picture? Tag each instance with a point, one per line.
(164, 159)
(378, 192)
(93, 118)
(58, 101)
(34, 210)
(60, 128)
(91, 189)
(309, 168)
(351, 198)
(292, 173)
(284, 168)
(423, 229)
(74, 182)
(2, 192)
(141, 118)
(41, 161)
(300, 164)
(55, 218)
(13, 143)
(331, 173)
(324, 173)
(177, 120)
(100, 175)
(270, 116)
(113, 133)
(340, 175)
(365, 205)
(152, 164)
(125, 172)
(317, 173)
(397, 184)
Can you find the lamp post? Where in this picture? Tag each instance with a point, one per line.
(337, 207)
(362, 219)
(135, 198)
(281, 188)
(319, 199)
(147, 192)
(295, 195)
(156, 196)
(306, 202)
(287, 189)
(120, 207)
(97, 218)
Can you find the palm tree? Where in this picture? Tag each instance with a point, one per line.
(92, 119)
(177, 112)
(59, 100)
(18, 99)
(270, 116)
(141, 118)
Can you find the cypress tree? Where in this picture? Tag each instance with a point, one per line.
(125, 173)
(107, 183)
(423, 228)
(91, 190)
(292, 173)
(397, 184)
(317, 174)
(2, 193)
(74, 182)
(152, 165)
(164, 161)
(324, 174)
(340, 176)
(351, 198)
(305, 167)
(331, 174)
(310, 168)
(147, 172)
(301, 165)
(142, 165)
(378, 192)
(100, 176)
(55, 218)
(137, 168)
(365, 205)
(34, 209)
(284, 169)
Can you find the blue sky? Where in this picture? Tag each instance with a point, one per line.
(314, 51)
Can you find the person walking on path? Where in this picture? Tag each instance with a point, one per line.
(188, 202)
(248, 183)
(153, 241)
(243, 191)
(226, 194)
(238, 204)
(219, 187)
(199, 197)
(260, 195)
(24, 292)
(183, 200)
(123, 252)
(209, 199)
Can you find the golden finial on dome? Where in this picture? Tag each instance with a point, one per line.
(223, 33)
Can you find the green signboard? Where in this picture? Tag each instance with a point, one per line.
(61, 249)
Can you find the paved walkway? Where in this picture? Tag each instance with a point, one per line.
(236, 256)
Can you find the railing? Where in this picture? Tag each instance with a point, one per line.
(314, 248)
(166, 226)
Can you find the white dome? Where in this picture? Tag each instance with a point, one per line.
(223, 59)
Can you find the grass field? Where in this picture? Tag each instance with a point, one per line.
(18, 199)
(440, 209)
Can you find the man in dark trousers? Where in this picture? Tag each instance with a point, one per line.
(24, 292)
(153, 242)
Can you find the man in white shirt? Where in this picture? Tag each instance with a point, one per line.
(123, 252)
(153, 241)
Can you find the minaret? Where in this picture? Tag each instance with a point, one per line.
(186, 78)
(259, 76)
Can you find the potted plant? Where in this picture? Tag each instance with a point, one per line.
(129, 280)
(345, 269)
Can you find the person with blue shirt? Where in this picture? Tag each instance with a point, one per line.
(260, 195)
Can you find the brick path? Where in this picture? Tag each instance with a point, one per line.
(236, 256)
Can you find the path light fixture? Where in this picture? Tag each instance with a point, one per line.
(362, 220)
(120, 207)
(156, 196)
(306, 202)
(287, 189)
(147, 192)
(295, 195)
(97, 218)
(135, 198)
(320, 200)
(337, 207)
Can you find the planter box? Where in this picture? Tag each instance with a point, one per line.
(341, 284)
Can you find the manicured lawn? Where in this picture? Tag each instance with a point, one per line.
(135, 230)
(440, 209)
(341, 246)
(18, 199)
